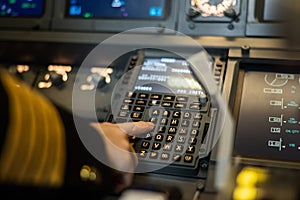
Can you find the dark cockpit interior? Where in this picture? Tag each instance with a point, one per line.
(220, 80)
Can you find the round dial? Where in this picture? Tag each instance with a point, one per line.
(212, 7)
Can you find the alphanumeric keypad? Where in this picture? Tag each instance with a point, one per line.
(179, 126)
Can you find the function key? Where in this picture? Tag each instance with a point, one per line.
(182, 99)
(143, 95)
(123, 114)
(131, 94)
(154, 103)
(155, 96)
(136, 115)
(195, 106)
(180, 105)
(167, 104)
(139, 108)
(126, 107)
(141, 102)
(169, 98)
(128, 101)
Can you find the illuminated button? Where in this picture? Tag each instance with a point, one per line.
(163, 121)
(185, 123)
(176, 157)
(169, 98)
(161, 129)
(155, 96)
(165, 156)
(153, 120)
(125, 107)
(182, 99)
(187, 115)
(169, 138)
(180, 105)
(167, 104)
(153, 155)
(183, 131)
(142, 153)
(148, 136)
(197, 116)
(143, 95)
(156, 146)
(145, 145)
(181, 139)
(128, 101)
(155, 112)
(153, 103)
(179, 148)
(172, 130)
(190, 149)
(159, 137)
(139, 108)
(141, 102)
(166, 113)
(167, 147)
(131, 94)
(174, 122)
(188, 158)
(196, 124)
(136, 115)
(193, 140)
(195, 106)
(123, 114)
(176, 114)
(194, 132)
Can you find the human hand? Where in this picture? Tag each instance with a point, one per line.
(120, 152)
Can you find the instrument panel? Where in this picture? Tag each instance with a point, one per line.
(192, 17)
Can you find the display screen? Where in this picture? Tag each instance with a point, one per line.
(117, 9)
(21, 8)
(268, 125)
(167, 75)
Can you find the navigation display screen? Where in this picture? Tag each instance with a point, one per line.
(269, 119)
(21, 8)
(117, 9)
(165, 75)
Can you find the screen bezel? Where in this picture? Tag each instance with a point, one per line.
(256, 26)
(61, 22)
(29, 22)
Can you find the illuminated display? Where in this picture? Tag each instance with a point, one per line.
(116, 9)
(21, 8)
(269, 120)
(165, 75)
(212, 7)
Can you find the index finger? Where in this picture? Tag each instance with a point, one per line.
(136, 128)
